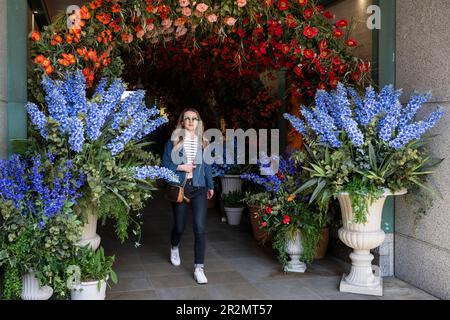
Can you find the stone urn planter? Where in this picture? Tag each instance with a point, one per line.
(234, 215)
(89, 291)
(89, 235)
(230, 183)
(31, 290)
(363, 278)
(294, 249)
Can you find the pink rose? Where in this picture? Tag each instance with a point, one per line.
(230, 21)
(140, 34)
(212, 18)
(150, 27)
(184, 3)
(241, 3)
(202, 7)
(166, 24)
(181, 31)
(186, 11)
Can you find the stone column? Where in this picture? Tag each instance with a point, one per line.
(422, 257)
(3, 81)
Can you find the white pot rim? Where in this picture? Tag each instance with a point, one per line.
(387, 192)
(231, 176)
(234, 208)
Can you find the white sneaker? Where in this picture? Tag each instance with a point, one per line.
(175, 257)
(199, 275)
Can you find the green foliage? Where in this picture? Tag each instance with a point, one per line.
(233, 199)
(88, 265)
(12, 284)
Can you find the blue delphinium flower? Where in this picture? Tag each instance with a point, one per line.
(415, 130)
(38, 118)
(74, 88)
(155, 172)
(354, 115)
(56, 102)
(76, 134)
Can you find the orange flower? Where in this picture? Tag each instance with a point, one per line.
(103, 17)
(56, 39)
(291, 198)
(49, 70)
(46, 63)
(352, 43)
(84, 13)
(35, 36)
(39, 59)
(116, 8)
(69, 39)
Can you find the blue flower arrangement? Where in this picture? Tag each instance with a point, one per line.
(38, 227)
(104, 137)
(364, 144)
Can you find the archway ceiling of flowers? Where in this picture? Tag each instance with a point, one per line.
(215, 42)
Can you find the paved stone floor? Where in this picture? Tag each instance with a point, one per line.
(236, 266)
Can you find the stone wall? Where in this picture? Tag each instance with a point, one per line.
(3, 81)
(423, 63)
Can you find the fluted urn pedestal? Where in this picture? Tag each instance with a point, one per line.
(89, 235)
(294, 249)
(363, 278)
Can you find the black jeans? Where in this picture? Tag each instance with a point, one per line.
(199, 205)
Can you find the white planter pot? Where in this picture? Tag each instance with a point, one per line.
(90, 235)
(234, 215)
(294, 249)
(363, 278)
(231, 183)
(31, 290)
(89, 291)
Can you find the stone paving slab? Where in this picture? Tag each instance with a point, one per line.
(237, 267)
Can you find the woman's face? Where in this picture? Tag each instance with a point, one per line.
(190, 121)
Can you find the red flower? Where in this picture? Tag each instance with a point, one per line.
(325, 54)
(336, 61)
(298, 71)
(310, 32)
(269, 3)
(328, 15)
(320, 8)
(309, 54)
(356, 76)
(268, 210)
(283, 5)
(285, 48)
(342, 23)
(338, 33)
(302, 3)
(286, 219)
(323, 44)
(308, 13)
(352, 42)
(290, 21)
(263, 224)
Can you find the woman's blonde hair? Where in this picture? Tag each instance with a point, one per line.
(178, 138)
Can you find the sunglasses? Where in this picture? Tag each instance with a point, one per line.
(190, 119)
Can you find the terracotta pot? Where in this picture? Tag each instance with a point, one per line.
(321, 249)
(259, 234)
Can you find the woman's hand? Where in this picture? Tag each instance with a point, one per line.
(210, 194)
(188, 167)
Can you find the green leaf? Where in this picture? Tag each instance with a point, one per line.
(306, 185)
(318, 189)
(373, 157)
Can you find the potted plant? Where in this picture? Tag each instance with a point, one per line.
(233, 207)
(38, 227)
(254, 201)
(89, 274)
(295, 227)
(103, 135)
(361, 150)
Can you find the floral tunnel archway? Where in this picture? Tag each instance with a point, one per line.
(219, 47)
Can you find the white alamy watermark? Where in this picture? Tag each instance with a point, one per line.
(234, 150)
(374, 21)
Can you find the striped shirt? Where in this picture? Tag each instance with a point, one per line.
(190, 147)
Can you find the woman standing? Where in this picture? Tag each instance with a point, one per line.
(183, 155)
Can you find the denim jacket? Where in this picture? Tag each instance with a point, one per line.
(202, 174)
